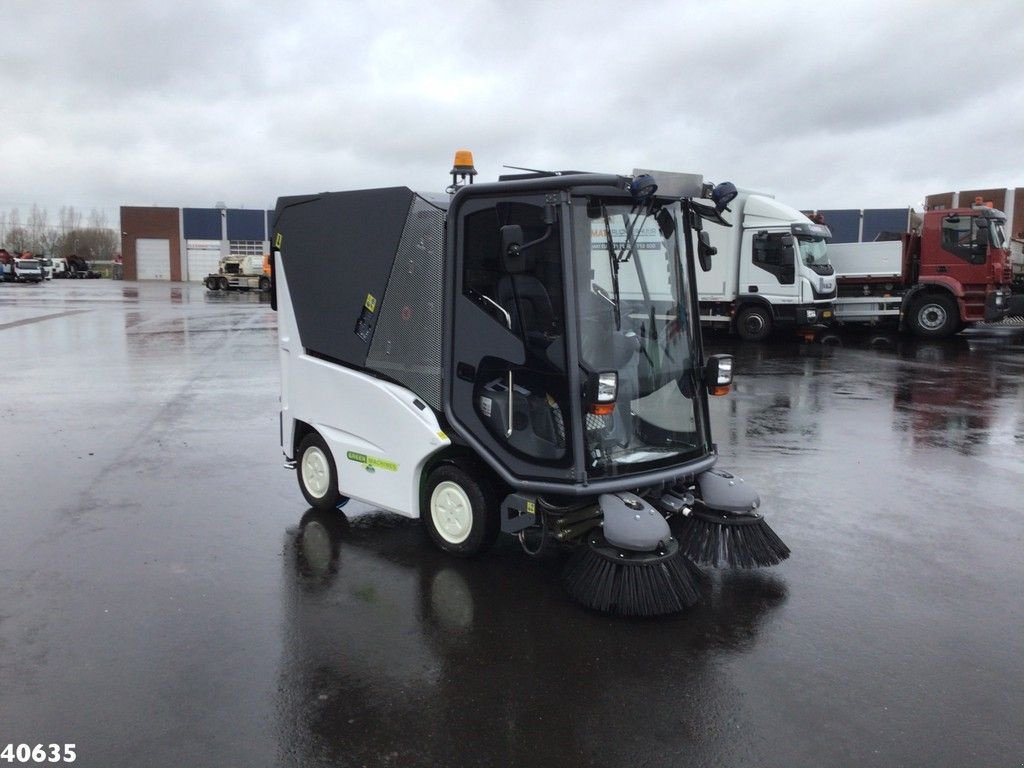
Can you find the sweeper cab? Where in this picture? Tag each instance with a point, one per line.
(519, 357)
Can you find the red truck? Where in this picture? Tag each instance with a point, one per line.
(954, 271)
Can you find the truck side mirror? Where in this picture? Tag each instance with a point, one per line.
(705, 250)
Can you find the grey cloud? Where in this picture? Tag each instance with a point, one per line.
(854, 104)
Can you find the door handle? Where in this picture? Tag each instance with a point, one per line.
(508, 432)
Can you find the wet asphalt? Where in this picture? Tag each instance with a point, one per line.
(167, 599)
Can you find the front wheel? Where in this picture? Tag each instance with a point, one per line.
(317, 473)
(934, 316)
(754, 324)
(264, 284)
(459, 511)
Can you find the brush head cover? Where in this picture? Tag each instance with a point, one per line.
(724, 492)
(631, 523)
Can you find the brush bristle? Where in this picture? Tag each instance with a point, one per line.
(635, 585)
(730, 545)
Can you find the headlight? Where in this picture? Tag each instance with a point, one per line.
(607, 384)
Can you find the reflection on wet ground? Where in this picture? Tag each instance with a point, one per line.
(394, 646)
(167, 599)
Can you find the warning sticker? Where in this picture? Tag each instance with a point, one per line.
(371, 302)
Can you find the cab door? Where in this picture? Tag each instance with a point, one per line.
(509, 384)
(963, 255)
(770, 270)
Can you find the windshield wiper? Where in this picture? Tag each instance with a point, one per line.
(630, 242)
(614, 265)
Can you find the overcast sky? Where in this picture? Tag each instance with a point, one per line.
(828, 104)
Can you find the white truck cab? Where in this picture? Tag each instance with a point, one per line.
(771, 268)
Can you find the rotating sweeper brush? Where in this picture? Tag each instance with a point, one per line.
(721, 524)
(632, 565)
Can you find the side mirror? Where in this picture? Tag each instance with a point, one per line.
(511, 239)
(718, 374)
(705, 250)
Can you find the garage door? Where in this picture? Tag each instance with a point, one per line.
(203, 257)
(153, 259)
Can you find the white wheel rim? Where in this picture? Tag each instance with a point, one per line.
(316, 472)
(451, 512)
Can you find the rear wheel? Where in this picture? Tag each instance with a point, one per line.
(318, 476)
(934, 316)
(264, 284)
(754, 324)
(459, 511)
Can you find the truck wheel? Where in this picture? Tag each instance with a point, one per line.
(459, 511)
(754, 324)
(264, 284)
(212, 284)
(318, 476)
(223, 283)
(934, 316)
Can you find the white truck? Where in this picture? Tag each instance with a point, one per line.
(771, 269)
(240, 273)
(20, 268)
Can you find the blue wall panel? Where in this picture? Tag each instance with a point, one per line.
(845, 225)
(878, 220)
(244, 224)
(201, 223)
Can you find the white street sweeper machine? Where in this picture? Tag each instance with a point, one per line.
(520, 357)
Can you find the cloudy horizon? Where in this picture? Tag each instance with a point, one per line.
(854, 105)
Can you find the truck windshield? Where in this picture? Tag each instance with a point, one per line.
(997, 233)
(813, 251)
(633, 304)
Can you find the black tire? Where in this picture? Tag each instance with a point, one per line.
(459, 511)
(264, 284)
(754, 323)
(317, 473)
(934, 316)
(223, 283)
(212, 284)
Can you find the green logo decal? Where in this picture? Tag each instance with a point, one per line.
(372, 463)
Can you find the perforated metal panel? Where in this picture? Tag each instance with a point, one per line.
(406, 344)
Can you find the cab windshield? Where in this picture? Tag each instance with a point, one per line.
(813, 251)
(633, 304)
(997, 233)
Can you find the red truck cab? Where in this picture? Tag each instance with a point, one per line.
(966, 251)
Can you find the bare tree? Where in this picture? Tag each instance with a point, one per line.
(97, 219)
(69, 218)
